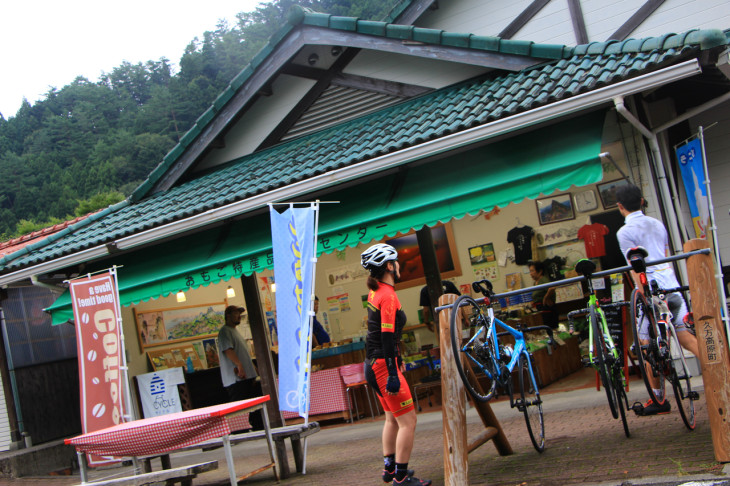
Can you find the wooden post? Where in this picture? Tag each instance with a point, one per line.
(712, 344)
(265, 364)
(453, 410)
(431, 272)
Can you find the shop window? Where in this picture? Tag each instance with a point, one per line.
(29, 337)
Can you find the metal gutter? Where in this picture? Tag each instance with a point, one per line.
(477, 134)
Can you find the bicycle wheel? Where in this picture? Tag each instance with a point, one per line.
(602, 364)
(619, 388)
(479, 349)
(679, 375)
(647, 356)
(531, 405)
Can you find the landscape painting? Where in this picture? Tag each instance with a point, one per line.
(180, 323)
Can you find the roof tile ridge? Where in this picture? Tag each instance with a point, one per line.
(704, 38)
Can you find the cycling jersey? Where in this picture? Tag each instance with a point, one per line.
(384, 315)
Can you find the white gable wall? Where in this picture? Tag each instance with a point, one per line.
(553, 25)
(717, 146)
(259, 121)
(684, 15)
(5, 439)
(482, 17)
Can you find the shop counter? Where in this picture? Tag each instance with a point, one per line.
(336, 356)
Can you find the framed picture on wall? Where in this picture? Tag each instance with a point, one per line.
(184, 323)
(607, 192)
(409, 256)
(555, 208)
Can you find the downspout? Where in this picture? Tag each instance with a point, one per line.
(673, 216)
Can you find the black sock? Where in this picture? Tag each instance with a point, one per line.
(389, 462)
(401, 470)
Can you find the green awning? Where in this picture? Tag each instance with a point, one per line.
(541, 161)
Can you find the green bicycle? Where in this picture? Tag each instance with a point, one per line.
(603, 355)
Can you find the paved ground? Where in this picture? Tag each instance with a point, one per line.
(585, 445)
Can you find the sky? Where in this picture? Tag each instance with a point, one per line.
(49, 43)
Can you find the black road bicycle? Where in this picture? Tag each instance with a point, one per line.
(662, 355)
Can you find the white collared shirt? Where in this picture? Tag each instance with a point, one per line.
(642, 230)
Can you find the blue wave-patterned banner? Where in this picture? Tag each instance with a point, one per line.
(293, 247)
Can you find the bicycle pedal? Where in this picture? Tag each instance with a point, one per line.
(693, 395)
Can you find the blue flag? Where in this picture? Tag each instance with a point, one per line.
(689, 156)
(292, 235)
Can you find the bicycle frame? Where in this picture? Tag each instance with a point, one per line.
(593, 302)
(519, 349)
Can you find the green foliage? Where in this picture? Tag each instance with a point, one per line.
(87, 145)
(98, 201)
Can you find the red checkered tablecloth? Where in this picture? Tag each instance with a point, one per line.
(161, 434)
(327, 394)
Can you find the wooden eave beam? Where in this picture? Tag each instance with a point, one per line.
(579, 22)
(635, 20)
(522, 19)
(356, 81)
(383, 86)
(492, 60)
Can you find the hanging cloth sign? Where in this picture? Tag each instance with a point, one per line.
(293, 248)
(691, 165)
(158, 391)
(99, 344)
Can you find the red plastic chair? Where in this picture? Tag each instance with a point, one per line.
(353, 376)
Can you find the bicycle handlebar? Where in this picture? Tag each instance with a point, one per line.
(602, 273)
(683, 288)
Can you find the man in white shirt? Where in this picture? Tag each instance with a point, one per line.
(650, 233)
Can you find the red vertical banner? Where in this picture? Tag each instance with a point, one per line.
(99, 343)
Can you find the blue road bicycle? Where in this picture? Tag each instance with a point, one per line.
(477, 350)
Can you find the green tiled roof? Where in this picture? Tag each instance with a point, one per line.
(407, 124)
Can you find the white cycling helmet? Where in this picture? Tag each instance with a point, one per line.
(377, 255)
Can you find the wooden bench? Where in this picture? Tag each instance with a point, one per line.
(183, 475)
(293, 432)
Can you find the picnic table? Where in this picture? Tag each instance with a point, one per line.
(160, 435)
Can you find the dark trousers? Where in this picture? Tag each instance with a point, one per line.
(549, 315)
(243, 390)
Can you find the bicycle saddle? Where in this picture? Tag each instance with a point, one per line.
(484, 287)
(585, 267)
(637, 258)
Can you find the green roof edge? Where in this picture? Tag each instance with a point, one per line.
(55, 236)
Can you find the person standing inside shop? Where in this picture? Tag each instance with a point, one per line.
(386, 320)
(238, 372)
(650, 233)
(543, 300)
(425, 302)
(319, 334)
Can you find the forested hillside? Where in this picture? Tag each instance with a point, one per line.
(90, 143)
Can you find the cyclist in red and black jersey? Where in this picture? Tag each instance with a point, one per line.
(383, 366)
